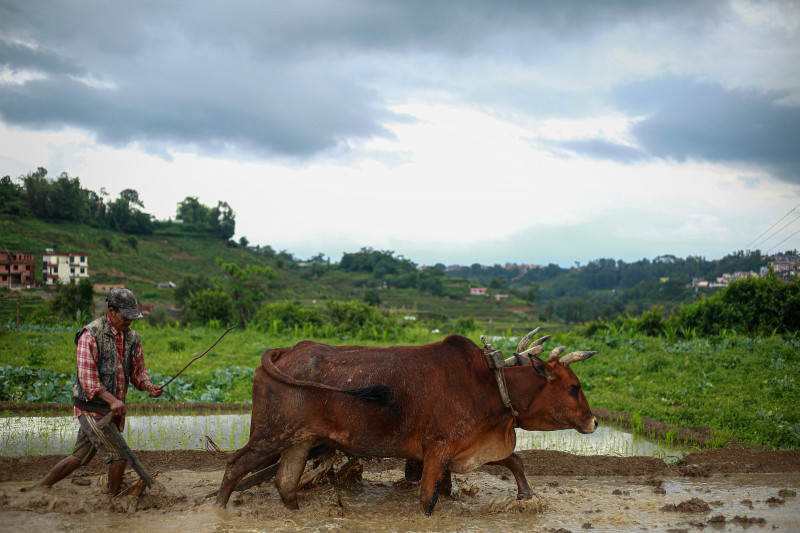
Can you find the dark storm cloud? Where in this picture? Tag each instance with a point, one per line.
(704, 121)
(285, 78)
(16, 57)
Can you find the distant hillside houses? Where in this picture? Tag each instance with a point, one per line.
(785, 266)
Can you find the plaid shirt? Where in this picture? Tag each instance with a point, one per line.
(87, 368)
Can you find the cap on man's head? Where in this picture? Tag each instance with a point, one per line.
(125, 301)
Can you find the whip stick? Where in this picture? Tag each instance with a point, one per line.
(199, 356)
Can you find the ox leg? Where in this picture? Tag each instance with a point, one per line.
(293, 462)
(414, 475)
(514, 463)
(434, 470)
(239, 465)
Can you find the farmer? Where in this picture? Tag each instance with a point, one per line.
(109, 356)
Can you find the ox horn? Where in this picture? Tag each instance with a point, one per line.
(525, 339)
(535, 347)
(573, 357)
(556, 352)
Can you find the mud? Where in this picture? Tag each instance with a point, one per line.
(729, 489)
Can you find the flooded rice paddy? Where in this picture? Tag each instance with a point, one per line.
(654, 499)
(56, 435)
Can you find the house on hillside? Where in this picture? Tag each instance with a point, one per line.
(500, 296)
(64, 268)
(17, 269)
(477, 291)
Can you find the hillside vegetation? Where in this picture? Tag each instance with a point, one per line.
(726, 358)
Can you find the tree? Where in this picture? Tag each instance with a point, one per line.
(550, 309)
(191, 285)
(192, 212)
(223, 220)
(246, 287)
(36, 187)
(132, 197)
(220, 220)
(11, 198)
(124, 215)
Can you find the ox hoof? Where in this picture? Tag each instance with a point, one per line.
(524, 495)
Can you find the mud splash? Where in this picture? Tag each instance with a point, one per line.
(384, 502)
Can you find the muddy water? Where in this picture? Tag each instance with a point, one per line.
(383, 502)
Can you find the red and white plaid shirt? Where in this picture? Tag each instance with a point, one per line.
(87, 368)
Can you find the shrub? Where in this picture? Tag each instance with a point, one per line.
(285, 316)
(208, 304)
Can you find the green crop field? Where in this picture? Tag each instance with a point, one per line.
(744, 389)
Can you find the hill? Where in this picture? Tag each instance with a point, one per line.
(517, 296)
(172, 253)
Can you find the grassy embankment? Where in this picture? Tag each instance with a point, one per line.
(743, 389)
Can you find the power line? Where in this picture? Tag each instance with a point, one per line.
(784, 240)
(749, 246)
(777, 231)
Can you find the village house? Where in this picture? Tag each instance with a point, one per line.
(477, 291)
(16, 269)
(105, 287)
(64, 268)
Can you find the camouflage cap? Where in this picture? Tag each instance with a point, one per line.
(125, 301)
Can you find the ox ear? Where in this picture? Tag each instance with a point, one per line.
(540, 367)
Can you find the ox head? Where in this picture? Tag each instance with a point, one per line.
(549, 392)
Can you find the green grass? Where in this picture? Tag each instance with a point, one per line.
(744, 389)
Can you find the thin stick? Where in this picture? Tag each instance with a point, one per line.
(199, 356)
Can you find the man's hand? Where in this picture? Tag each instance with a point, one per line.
(155, 391)
(117, 407)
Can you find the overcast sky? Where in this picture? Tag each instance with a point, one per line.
(453, 132)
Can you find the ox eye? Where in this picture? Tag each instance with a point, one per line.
(574, 390)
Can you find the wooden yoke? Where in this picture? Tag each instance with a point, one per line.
(494, 358)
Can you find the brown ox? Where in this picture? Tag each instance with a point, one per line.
(438, 404)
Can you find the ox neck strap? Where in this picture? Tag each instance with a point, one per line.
(495, 360)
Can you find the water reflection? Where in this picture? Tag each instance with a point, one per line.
(605, 440)
(56, 435)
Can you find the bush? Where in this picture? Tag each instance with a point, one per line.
(285, 316)
(760, 306)
(355, 317)
(208, 304)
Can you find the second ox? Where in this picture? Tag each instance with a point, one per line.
(437, 404)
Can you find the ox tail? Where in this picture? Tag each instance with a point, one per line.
(380, 394)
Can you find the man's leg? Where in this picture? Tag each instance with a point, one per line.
(64, 468)
(82, 453)
(115, 474)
